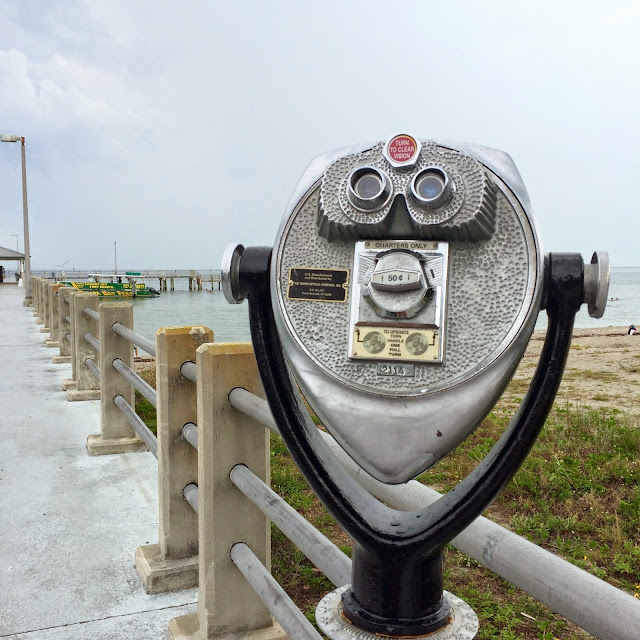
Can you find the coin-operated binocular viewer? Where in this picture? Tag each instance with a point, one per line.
(399, 296)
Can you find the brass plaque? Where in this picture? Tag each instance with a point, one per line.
(315, 283)
(395, 343)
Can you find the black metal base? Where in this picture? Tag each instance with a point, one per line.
(395, 626)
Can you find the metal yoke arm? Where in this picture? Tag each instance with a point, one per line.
(340, 493)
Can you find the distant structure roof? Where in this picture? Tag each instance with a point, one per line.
(10, 254)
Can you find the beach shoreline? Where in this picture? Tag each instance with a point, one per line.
(602, 370)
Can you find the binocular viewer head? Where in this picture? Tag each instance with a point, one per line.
(406, 189)
(406, 279)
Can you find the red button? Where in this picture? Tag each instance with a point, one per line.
(402, 148)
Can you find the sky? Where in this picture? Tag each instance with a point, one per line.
(176, 128)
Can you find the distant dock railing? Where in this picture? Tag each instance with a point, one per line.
(215, 502)
(166, 277)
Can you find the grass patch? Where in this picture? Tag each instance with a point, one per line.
(143, 407)
(577, 495)
(604, 376)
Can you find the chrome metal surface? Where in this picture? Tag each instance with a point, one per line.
(229, 277)
(189, 371)
(282, 608)
(136, 381)
(68, 319)
(318, 548)
(135, 338)
(190, 434)
(397, 426)
(596, 283)
(462, 625)
(138, 425)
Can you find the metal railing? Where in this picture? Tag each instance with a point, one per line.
(612, 613)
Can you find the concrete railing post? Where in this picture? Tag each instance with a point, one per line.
(54, 324)
(46, 307)
(173, 563)
(64, 328)
(41, 314)
(37, 298)
(227, 605)
(116, 434)
(72, 382)
(88, 387)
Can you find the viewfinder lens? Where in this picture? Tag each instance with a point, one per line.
(431, 188)
(368, 186)
(368, 189)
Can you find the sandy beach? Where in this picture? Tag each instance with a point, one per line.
(602, 371)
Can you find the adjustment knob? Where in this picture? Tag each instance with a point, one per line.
(596, 283)
(397, 287)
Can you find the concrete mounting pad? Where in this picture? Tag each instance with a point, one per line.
(160, 574)
(98, 446)
(80, 395)
(187, 628)
(61, 360)
(69, 523)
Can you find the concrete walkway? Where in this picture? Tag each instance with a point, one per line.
(69, 523)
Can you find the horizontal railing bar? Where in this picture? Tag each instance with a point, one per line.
(136, 381)
(139, 426)
(254, 407)
(190, 434)
(614, 616)
(93, 341)
(68, 337)
(135, 338)
(335, 564)
(93, 367)
(91, 313)
(280, 605)
(190, 493)
(68, 319)
(189, 371)
(66, 299)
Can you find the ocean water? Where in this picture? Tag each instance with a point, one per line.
(623, 306)
(230, 322)
(179, 308)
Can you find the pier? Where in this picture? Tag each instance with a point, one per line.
(69, 522)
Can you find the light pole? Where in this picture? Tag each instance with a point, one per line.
(25, 216)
